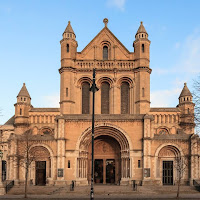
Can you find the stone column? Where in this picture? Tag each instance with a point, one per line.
(61, 152)
(147, 150)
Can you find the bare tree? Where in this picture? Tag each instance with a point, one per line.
(196, 100)
(181, 164)
(25, 156)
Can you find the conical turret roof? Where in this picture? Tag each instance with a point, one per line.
(23, 92)
(141, 29)
(185, 91)
(69, 28)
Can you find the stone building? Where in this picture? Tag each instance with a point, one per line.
(133, 141)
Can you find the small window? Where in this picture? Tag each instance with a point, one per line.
(188, 111)
(105, 53)
(67, 48)
(24, 99)
(142, 48)
(70, 35)
(142, 92)
(139, 163)
(21, 98)
(68, 164)
(20, 111)
(66, 92)
(142, 35)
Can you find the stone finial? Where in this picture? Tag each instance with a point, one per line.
(185, 84)
(105, 21)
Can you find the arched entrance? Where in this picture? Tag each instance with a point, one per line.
(41, 168)
(106, 160)
(111, 156)
(167, 164)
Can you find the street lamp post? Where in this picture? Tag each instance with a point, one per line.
(2, 189)
(93, 89)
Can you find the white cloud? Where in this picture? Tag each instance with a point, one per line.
(50, 101)
(165, 98)
(177, 45)
(116, 3)
(188, 60)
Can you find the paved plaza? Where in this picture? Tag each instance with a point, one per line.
(102, 192)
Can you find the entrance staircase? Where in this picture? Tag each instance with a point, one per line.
(101, 190)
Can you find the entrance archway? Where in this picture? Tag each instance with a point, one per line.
(111, 156)
(166, 164)
(41, 168)
(106, 160)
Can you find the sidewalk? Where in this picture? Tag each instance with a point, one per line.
(102, 192)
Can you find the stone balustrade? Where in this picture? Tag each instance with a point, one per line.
(104, 64)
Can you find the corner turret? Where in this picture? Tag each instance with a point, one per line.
(68, 55)
(68, 46)
(186, 107)
(22, 108)
(141, 57)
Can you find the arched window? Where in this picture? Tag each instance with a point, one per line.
(125, 98)
(105, 95)
(20, 111)
(142, 48)
(67, 48)
(85, 98)
(105, 53)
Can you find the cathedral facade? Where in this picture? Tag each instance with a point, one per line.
(133, 141)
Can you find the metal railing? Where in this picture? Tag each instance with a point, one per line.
(196, 184)
(9, 185)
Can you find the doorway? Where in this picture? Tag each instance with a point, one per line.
(98, 171)
(167, 172)
(40, 173)
(110, 171)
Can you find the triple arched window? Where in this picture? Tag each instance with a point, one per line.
(105, 98)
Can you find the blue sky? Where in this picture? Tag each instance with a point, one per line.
(30, 32)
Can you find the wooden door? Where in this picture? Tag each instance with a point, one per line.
(40, 172)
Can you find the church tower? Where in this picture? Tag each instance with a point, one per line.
(68, 55)
(22, 108)
(142, 77)
(186, 107)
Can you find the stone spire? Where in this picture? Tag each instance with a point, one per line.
(69, 32)
(185, 91)
(141, 32)
(23, 92)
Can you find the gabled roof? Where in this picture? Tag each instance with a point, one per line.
(106, 29)
(185, 91)
(141, 29)
(23, 92)
(69, 28)
(10, 121)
